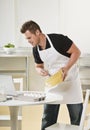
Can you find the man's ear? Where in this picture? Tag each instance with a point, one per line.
(37, 32)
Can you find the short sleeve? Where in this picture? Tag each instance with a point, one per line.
(37, 58)
(61, 43)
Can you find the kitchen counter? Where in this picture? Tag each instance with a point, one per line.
(84, 67)
(16, 62)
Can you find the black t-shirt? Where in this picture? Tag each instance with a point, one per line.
(60, 42)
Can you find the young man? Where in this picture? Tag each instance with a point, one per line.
(57, 52)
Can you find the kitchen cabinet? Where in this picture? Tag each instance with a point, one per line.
(16, 63)
(84, 68)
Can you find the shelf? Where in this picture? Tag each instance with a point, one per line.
(16, 63)
(84, 69)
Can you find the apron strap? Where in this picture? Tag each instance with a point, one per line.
(49, 40)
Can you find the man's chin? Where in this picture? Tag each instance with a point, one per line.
(34, 45)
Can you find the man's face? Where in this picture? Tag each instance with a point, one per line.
(33, 39)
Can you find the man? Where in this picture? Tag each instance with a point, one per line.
(57, 52)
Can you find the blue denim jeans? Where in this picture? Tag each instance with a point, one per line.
(50, 114)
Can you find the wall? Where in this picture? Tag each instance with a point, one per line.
(16, 12)
(74, 21)
(7, 22)
(68, 17)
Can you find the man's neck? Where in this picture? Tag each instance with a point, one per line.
(42, 43)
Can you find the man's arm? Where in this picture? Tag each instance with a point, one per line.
(75, 53)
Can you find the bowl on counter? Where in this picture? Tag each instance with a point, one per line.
(9, 48)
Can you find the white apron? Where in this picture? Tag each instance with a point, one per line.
(70, 89)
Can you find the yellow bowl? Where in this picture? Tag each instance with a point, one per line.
(54, 79)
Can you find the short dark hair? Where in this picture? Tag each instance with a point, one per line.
(31, 26)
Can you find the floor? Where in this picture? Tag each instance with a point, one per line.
(32, 117)
(35, 120)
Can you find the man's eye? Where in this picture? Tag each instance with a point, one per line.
(28, 38)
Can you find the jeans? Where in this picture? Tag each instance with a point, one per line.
(50, 114)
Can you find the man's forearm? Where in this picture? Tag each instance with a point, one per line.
(73, 59)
